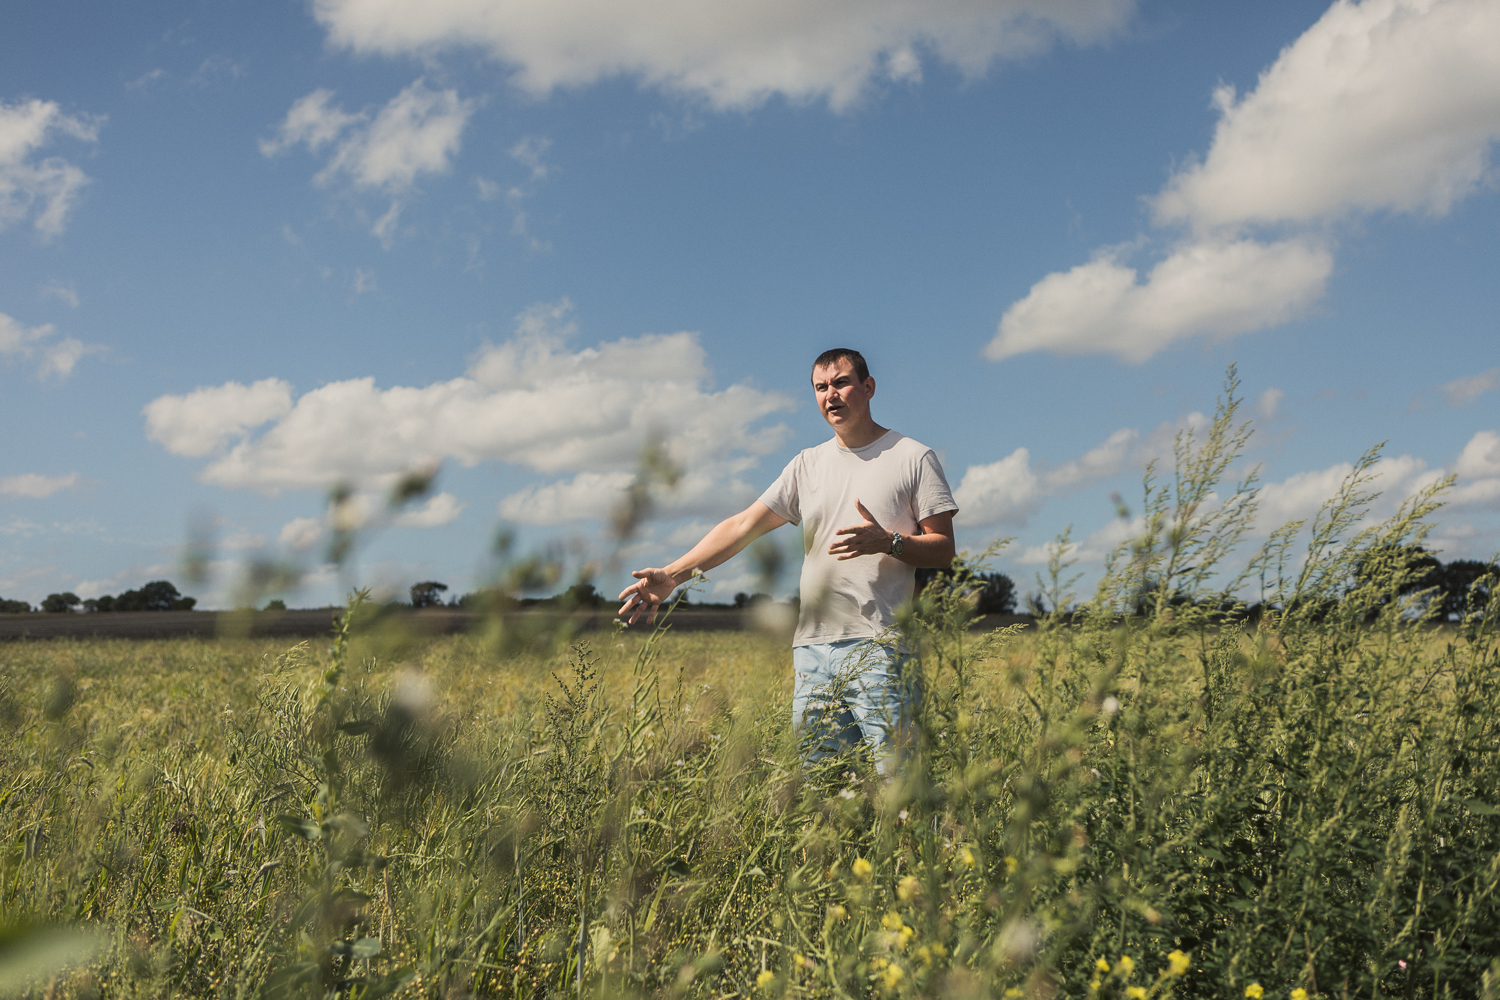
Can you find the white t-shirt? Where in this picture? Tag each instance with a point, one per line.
(900, 482)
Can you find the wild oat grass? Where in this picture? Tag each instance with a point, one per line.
(1156, 793)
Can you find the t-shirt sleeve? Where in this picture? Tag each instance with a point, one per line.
(932, 494)
(782, 496)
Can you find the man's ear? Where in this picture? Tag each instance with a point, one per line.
(870, 385)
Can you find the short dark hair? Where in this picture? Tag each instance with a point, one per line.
(861, 370)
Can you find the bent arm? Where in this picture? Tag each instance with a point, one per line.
(933, 548)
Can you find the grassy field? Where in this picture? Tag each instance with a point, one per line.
(239, 818)
(1158, 794)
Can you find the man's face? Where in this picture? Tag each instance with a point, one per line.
(842, 398)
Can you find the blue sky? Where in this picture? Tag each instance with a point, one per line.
(248, 251)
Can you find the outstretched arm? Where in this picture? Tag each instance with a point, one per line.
(723, 541)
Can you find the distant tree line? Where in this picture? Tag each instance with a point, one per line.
(1448, 590)
(158, 595)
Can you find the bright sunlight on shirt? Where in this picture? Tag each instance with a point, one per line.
(900, 482)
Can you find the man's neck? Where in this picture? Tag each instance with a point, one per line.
(859, 437)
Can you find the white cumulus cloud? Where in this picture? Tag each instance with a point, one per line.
(1478, 472)
(439, 510)
(1011, 490)
(729, 54)
(206, 419)
(1003, 492)
(532, 401)
(35, 486)
(1480, 458)
(301, 533)
(1385, 105)
(1381, 105)
(1215, 288)
(42, 189)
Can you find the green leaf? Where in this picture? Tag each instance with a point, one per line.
(1479, 808)
(366, 947)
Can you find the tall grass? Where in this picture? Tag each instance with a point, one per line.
(1154, 793)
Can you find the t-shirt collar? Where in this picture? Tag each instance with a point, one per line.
(860, 451)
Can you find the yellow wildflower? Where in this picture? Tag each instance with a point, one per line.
(1177, 965)
(892, 921)
(908, 889)
(861, 868)
(837, 912)
(1126, 965)
(1101, 965)
(1013, 992)
(1254, 991)
(925, 954)
(1011, 866)
(1299, 994)
(800, 960)
(1093, 984)
(906, 936)
(893, 975)
(938, 949)
(967, 857)
(1136, 992)
(765, 980)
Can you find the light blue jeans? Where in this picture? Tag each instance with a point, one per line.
(854, 691)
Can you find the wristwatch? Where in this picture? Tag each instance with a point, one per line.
(897, 544)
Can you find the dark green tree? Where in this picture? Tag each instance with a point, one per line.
(8, 607)
(158, 595)
(994, 593)
(428, 594)
(1454, 581)
(60, 603)
(581, 595)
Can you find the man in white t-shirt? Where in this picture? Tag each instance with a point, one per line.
(874, 506)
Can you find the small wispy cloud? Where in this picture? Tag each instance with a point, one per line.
(417, 132)
(1465, 390)
(63, 293)
(34, 486)
(43, 190)
(54, 358)
(1459, 392)
(1269, 402)
(528, 152)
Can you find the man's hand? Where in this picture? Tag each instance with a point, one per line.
(867, 539)
(652, 587)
